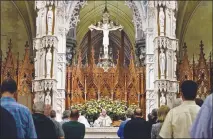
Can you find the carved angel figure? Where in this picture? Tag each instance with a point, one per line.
(50, 20)
(161, 21)
(48, 98)
(162, 58)
(48, 62)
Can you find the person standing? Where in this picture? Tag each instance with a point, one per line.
(162, 112)
(8, 128)
(120, 132)
(45, 127)
(199, 101)
(136, 128)
(65, 117)
(73, 129)
(152, 119)
(203, 125)
(21, 114)
(179, 119)
(58, 127)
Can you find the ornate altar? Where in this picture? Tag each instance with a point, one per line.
(199, 71)
(92, 82)
(21, 71)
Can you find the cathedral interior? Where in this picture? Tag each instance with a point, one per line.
(81, 70)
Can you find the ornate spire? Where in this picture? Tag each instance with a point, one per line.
(202, 60)
(10, 45)
(201, 48)
(26, 45)
(193, 68)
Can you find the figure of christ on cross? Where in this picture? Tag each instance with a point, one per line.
(106, 28)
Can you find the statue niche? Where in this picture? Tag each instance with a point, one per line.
(118, 93)
(78, 95)
(92, 92)
(105, 90)
(132, 95)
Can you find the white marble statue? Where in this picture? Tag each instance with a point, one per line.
(168, 22)
(162, 99)
(161, 20)
(173, 26)
(41, 65)
(37, 26)
(104, 120)
(48, 62)
(175, 65)
(48, 98)
(49, 21)
(162, 58)
(106, 27)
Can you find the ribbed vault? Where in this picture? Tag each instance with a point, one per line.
(92, 13)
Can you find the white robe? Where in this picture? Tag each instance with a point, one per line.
(83, 120)
(103, 121)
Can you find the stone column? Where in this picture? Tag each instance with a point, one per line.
(50, 47)
(151, 33)
(165, 49)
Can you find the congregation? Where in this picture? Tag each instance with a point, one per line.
(189, 118)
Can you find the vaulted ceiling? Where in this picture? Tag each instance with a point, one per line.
(17, 24)
(92, 13)
(194, 23)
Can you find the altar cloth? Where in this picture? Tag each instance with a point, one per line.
(101, 133)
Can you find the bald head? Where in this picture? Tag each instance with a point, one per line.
(138, 112)
(74, 114)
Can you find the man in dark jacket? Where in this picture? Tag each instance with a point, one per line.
(58, 127)
(73, 129)
(45, 128)
(8, 128)
(152, 119)
(136, 128)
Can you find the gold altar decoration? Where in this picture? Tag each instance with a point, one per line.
(21, 71)
(198, 71)
(90, 82)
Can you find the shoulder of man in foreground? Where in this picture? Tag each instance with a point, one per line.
(82, 125)
(203, 125)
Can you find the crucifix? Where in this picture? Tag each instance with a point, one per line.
(106, 27)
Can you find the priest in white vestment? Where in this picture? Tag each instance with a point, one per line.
(104, 120)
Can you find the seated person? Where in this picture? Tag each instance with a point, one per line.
(103, 120)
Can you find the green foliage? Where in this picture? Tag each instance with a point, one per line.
(115, 109)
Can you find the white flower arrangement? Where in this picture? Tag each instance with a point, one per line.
(115, 109)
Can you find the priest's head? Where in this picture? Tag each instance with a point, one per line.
(104, 112)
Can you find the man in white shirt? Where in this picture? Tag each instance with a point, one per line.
(179, 119)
